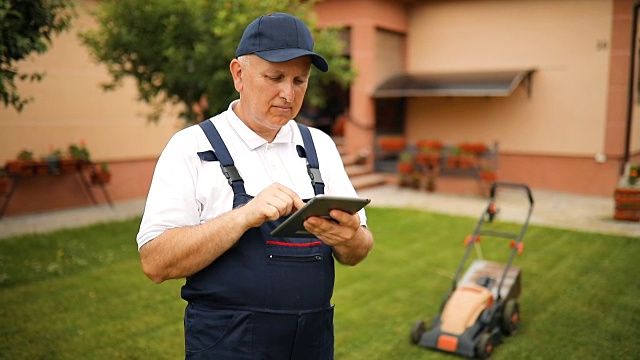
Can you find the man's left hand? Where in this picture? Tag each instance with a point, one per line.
(351, 242)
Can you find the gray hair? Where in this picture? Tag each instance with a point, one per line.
(245, 60)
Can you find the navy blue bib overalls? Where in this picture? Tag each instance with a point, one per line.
(266, 297)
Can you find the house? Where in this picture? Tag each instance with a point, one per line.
(566, 122)
(552, 82)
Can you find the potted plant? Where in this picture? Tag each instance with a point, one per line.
(25, 155)
(52, 160)
(634, 175)
(101, 174)
(474, 148)
(80, 154)
(488, 174)
(627, 195)
(416, 179)
(22, 164)
(431, 184)
(467, 160)
(75, 154)
(429, 153)
(453, 157)
(406, 168)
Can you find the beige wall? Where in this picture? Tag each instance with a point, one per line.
(70, 105)
(366, 19)
(390, 55)
(562, 39)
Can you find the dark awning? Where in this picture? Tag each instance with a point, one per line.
(489, 83)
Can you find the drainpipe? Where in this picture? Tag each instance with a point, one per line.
(627, 139)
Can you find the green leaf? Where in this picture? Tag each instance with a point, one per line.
(27, 27)
(181, 49)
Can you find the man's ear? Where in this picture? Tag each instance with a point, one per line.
(236, 73)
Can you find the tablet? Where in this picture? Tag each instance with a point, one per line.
(318, 206)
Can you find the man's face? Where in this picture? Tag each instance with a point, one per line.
(270, 93)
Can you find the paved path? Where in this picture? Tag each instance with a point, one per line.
(586, 213)
(50, 221)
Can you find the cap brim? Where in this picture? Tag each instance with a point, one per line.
(281, 55)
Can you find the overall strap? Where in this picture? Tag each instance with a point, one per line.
(313, 166)
(222, 155)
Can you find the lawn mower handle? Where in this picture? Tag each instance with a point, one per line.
(512, 185)
(478, 230)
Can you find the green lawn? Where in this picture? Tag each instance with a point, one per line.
(80, 294)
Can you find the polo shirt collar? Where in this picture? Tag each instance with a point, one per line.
(250, 138)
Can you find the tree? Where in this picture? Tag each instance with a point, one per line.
(178, 51)
(26, 27)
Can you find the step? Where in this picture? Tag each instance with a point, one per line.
(350, 159)
(368, 181)
(338, 140)
(357, 170)
(340, 145)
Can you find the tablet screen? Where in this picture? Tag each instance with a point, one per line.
(320, 205)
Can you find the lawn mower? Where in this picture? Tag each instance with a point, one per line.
(482, 307)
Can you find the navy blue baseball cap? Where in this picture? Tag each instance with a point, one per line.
(279, 37)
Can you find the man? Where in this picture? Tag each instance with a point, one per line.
(220, 188)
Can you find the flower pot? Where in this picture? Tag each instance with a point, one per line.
(428, 159)
(41, 167)
(453, 161)
(53, 164)
(405, 167)
(634, 175)
(20, 167)
(627, 204)
(68, 165)
(467, 161)
(100, 178)
(84, 165)
(488, 176)
(431, 185)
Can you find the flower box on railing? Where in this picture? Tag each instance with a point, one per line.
(392, 143)
(473, 148)
(432, 145)
(428, 159)
(488, 175)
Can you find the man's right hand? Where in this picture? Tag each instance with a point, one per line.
(183, 251)
(270, 204)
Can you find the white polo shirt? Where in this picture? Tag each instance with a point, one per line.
(187, 191)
